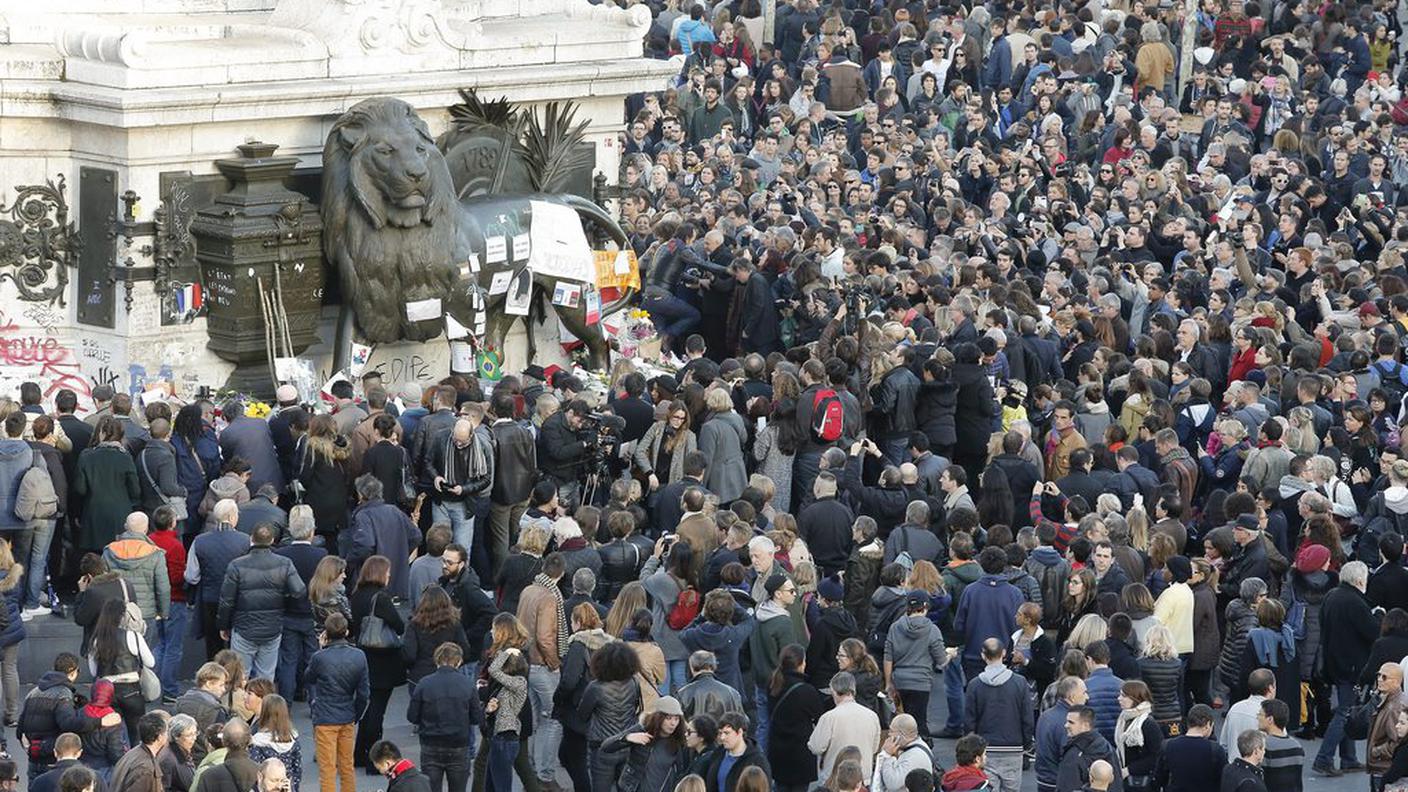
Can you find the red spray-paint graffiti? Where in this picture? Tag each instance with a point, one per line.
(43, 359)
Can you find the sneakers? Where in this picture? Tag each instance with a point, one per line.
(37, 610)
(1328, 771)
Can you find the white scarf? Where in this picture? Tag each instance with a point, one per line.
(1129, 729)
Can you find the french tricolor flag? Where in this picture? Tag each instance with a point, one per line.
(188, 299)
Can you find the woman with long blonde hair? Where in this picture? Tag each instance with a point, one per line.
(277, 739)
(321, 470)
(327, 592)
(631, 599)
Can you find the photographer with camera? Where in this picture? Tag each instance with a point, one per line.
(562, 449)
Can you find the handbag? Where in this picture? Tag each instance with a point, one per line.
(408, 489)
(375, 633)
(132, 620)
(177, 503)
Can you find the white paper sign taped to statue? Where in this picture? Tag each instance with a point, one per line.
(558, 246)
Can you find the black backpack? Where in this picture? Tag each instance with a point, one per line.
(875, 642)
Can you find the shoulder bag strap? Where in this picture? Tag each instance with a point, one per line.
(143, 458)
(785, 694)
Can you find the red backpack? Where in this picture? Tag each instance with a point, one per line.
(828, 416)
(685, 611)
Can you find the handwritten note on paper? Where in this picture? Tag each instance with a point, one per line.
(495, 249)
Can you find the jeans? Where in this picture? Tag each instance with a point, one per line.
(458, 517)
(449, 764)
(333, 751)
(1335, 736)
(37, 564)
(676, 677)
(673, 317)
(522, 767)
(954, 682)
(260, 658)
(916, 703)
(896, 449)
(1004, 769)
(547, 731)
(503, 529)
(296, 648)
(503, 750)
(171, 641)
(760, 697)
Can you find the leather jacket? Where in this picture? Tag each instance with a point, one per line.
(515, 462)
(895, 397)
(708, 696)
(621, 562)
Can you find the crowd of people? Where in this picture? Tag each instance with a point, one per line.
(1033, 387)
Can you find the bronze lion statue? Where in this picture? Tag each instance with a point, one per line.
(397, 234)
(389, 215)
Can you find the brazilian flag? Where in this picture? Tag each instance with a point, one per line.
(490, 365)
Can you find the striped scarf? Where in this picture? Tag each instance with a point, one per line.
(562, 632)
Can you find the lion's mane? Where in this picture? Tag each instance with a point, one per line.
(381, 265)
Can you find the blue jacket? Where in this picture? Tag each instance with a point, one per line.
(998, 706)
(445, 705)
(13, 593)
(997, 70)
(724, 642)
(251, 439)
(378, 528)
(986, 609)
(1050, 739)
(210, 555)
(1104, 689)
(692, 32)
(16, 458)
(338, 683)
(195, 470)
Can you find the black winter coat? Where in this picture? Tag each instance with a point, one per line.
(795, 711)
(936, 411)
(560, 450)
(418, 648)
(257, 590)
(1347, 625)
(477, 611)
(825, 526)
(385, 666)
(515, 462)
(973, 422)
(1163, 678)
(49, 711)
(886, 505)
(828, 627)
(1391, 648)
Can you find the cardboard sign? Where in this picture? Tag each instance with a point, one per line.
(608, 269)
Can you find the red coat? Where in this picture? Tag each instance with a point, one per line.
(1243, 363)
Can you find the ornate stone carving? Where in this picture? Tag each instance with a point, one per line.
(38, 243)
